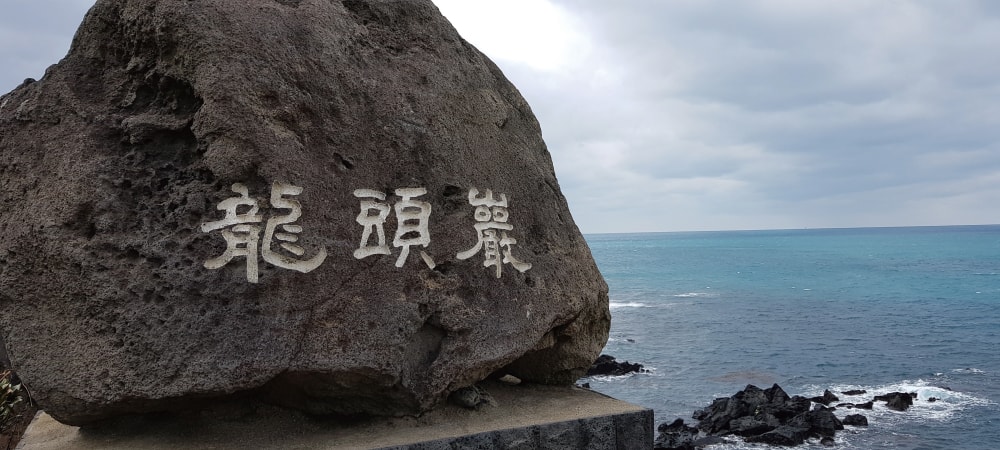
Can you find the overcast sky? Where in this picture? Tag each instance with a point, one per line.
(669, 115)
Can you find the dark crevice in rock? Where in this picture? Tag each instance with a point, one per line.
(349, 394)
(425, 346)
(362, 10)
(344, 163)
(82, 221)
(166, 94)
(451, 191)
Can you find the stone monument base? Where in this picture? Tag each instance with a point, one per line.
(522, 417)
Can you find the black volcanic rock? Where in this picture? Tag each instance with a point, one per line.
(608, 365)
(899, 401)
(818, 422)
(753, 425)
(785, 435)
(767, 416)
(826, 398)
(750, 409)
(675, 436)
(855, 420)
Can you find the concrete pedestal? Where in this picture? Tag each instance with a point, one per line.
(524, 417)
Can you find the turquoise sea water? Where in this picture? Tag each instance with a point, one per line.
(883, 309)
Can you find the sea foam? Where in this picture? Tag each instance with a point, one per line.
(946, 405)
(616, 305)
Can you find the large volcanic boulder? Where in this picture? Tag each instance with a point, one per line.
(336, 204)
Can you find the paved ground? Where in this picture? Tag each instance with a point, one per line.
(239, 426)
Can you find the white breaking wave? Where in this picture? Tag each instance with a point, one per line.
(646, 372)
(693, 294)
(621, 339)
(967, 370)
(616, 305)
(610, 378)
(945, 406)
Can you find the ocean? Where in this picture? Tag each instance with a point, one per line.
(914, 309)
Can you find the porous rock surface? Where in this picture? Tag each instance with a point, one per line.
(114, 165)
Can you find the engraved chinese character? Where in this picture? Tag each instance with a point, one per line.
(412, 224)
(412, 227)
(289, 232)
(372, 217)
(243, 238)
(491, 228)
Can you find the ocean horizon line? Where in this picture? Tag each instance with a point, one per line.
(752, 230)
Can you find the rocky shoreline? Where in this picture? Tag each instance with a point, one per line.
(770, 416)
(766, 416)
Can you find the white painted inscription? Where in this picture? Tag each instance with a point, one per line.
(242, 235)
(276, 240)
(412, 217)
(374, 211)
(491, 227)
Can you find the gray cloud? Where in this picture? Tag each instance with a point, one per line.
(713, 114)
(790, 113)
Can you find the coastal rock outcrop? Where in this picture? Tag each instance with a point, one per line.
(608, 365)
(675, 436)
(856, 420)
(767, 416)
(678, 436)
(899, 401)
(751, 411)
(865, 405)
(341, 206)
(825, 399)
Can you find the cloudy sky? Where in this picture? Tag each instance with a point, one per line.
(669, 115)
